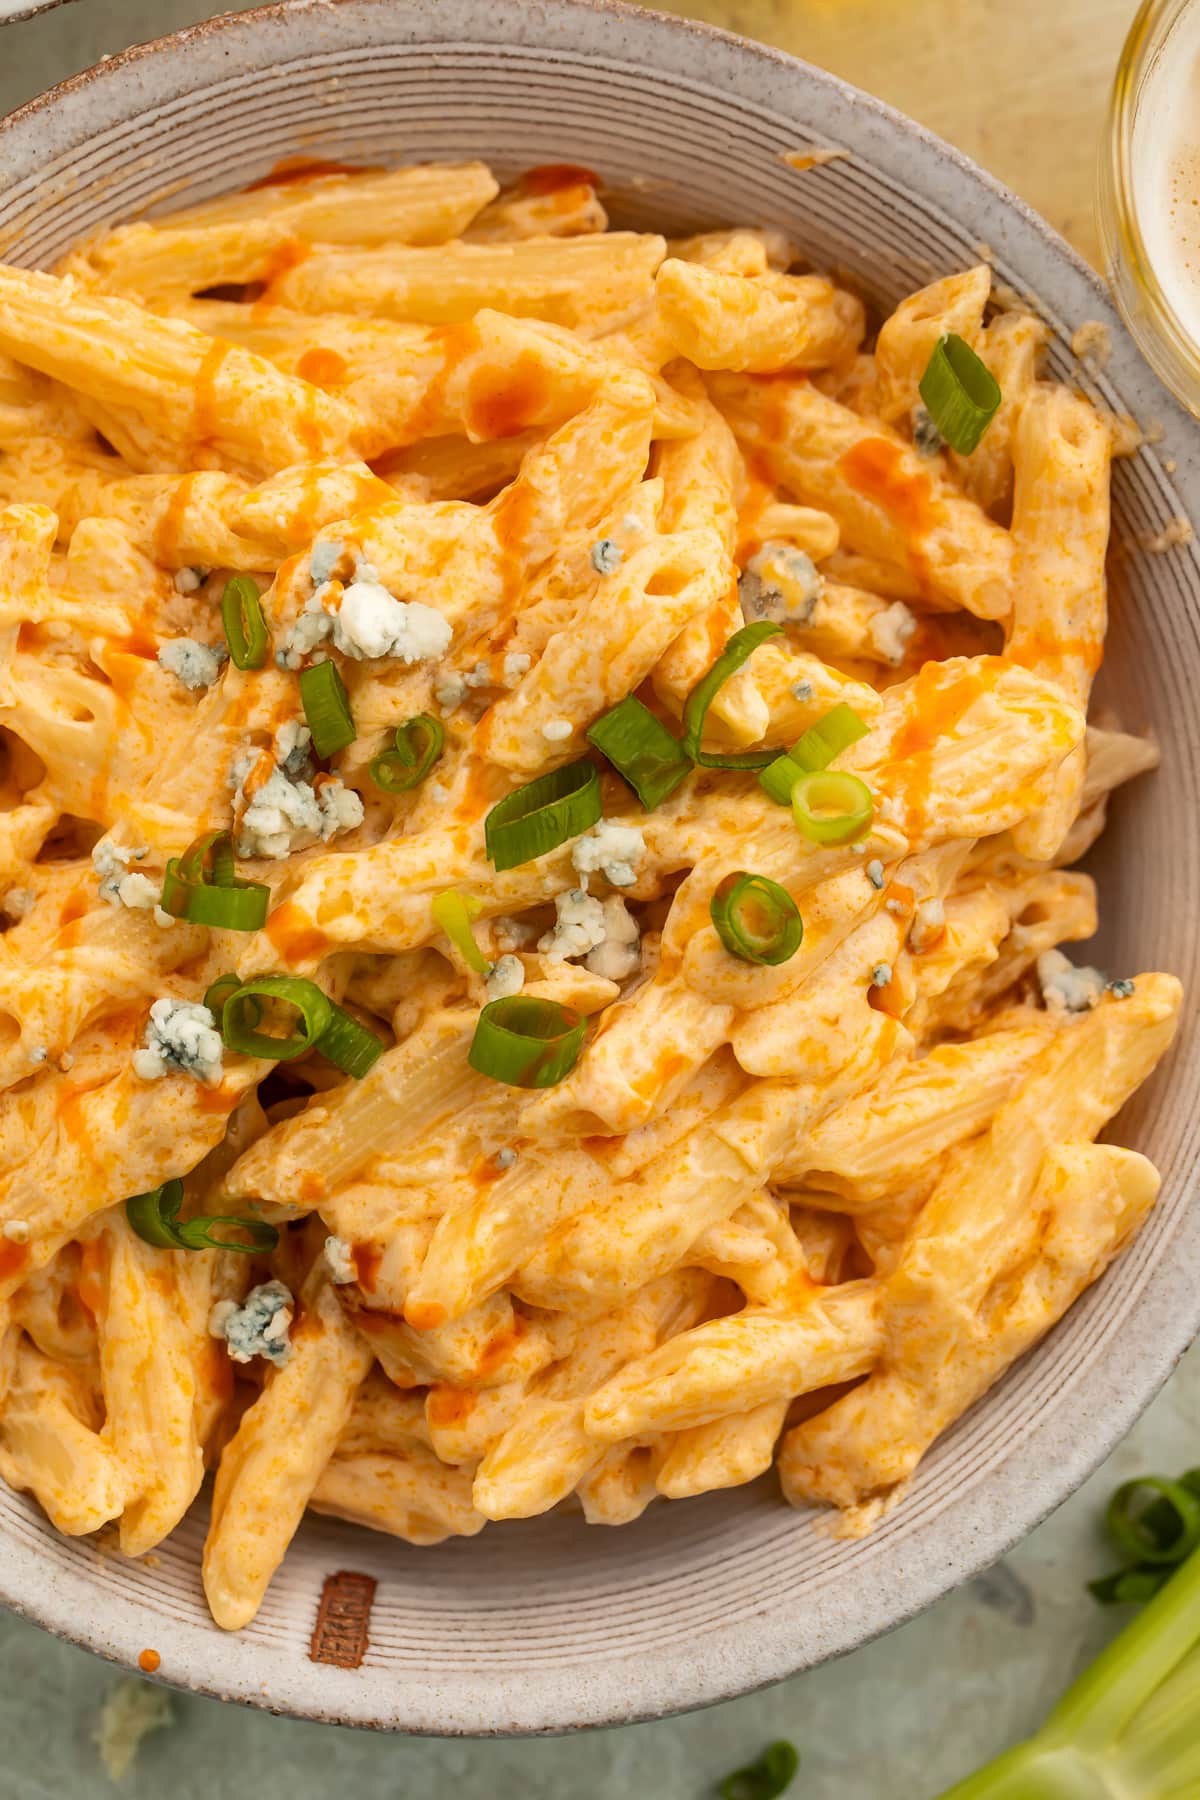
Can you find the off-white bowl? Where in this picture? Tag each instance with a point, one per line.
(546, 1625)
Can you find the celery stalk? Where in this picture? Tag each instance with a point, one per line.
(1129, 1729)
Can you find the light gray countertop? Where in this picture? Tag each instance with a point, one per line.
(902, 1717)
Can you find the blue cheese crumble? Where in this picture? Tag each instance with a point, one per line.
(505, 978)
(339, 1260)
(516, 665)
(181, 1038)
(874, 872)
(890, 631)
(506, 1157)
(613, 851)
(368, 624)
(259, 1327)
(927, 439)
(557, 731)
(781, 584)
(578, 927)
(603, 932)
(111, 863)
(1122, 989)
(1065, 988)
(605, 556)
(195, 664)
(803, 691)
(881, 974)
(18, 903)
(287, 812)
(323, 559)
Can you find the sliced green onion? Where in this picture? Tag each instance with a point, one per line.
(326, 708)
(155, 1218)
(218, 992)
(961, 393)
(242, 1013)
(1128, 1587)
(1165, 1532)
(527, 1042)
(418, 744)
(543, 814)
(348, 1045)
(202, 887)
(834, 732)
(453, 913)
(832, 807)
(740, 647)
(641, 749)
(765, 1779)
(245, 627)
(756, 919)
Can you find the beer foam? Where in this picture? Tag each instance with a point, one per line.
(1165, 164)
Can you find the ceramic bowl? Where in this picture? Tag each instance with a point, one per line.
(549, 1625)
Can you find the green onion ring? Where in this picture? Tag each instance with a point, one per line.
(245, 628)
(641, 749)
(1129, 1587)
(756, 919)
(202, 887)
(960, 392)
(834, 732)
(765, 1779)
(740, 647)
(326, 708)
(348, 1045)
(527, 1042)
(1147, 1541)
(832, 807)
(541, 815)
(155, 1219)
(418, 744)
(237, 1022)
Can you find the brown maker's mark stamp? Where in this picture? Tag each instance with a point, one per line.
(340, 1635)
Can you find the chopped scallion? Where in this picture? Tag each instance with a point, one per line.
(155, 1218)
(641, 750)
(245, 627)
(740, 647)
(541, 815)
(756, 919)
(961, 393)
(418, 744)
(527, 1042)
(326, 708)
(832, 807)
(453, 913)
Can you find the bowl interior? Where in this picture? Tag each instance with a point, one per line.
(548, 1625)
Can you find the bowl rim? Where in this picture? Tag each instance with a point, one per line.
(1134, 1374)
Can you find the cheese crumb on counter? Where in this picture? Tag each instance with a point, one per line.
(259, 1327)
(181, 1038)
(132, 1710)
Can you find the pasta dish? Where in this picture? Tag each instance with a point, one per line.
(541, 770)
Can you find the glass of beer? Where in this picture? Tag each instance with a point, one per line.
(1150, 191)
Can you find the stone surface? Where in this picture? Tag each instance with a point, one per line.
(912, 1712)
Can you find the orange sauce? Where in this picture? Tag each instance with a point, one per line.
(877, 470)
(556, 178)
(280, 262)
(425, 1315)
(169, 534)
(217, 1099)
(32, 637)
(204, 406)
(91, 1278)
(367, 1259)
(294, 935)
(138, 642)
(446, 1406)
(666, 1066)
(217, 1370)
(1047, 653)
(323, 367)
(306, 168)
(13, 1258)
(759, 492)
(939, 701)
(448, 345)
(74, 906)
(148, 1661)
(313, 1186)
(888, 999)
(498, 1349)
(502, 401)
(512, 519)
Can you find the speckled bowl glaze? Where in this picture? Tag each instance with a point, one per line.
(547, 1625)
